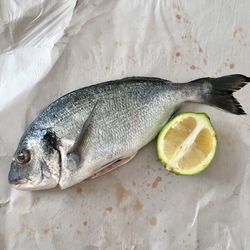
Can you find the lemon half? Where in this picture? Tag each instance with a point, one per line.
(187, 143)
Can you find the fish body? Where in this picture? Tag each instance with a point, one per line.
(95, 129)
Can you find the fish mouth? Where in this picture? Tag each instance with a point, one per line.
(43, 176)
(47, 180)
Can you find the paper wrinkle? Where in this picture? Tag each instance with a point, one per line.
(202, 203)
(4, 203)
(38, 26)
(83, 14)
(35, 46)
(48, 48)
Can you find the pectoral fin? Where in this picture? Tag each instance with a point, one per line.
(72, 159)
(111, 166)
(84, 133)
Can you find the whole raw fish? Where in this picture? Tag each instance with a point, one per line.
(93, 130)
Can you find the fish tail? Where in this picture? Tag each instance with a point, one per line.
(219, 92)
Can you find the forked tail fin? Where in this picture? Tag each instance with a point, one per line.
(219, 92)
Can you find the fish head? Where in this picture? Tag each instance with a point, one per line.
(36, 163)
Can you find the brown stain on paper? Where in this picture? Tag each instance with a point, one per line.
(156, 182)
(79, 190)
(231, 65)
(193, 67)
(137, 206)
(178, 16)
(121, 194)
(109, 209)
(46, 231)
(178, 54)
(152, 221)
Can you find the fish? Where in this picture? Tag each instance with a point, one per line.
(94, 130)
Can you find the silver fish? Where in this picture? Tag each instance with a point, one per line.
(96, 129)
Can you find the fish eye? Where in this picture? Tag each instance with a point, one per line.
(23, 157)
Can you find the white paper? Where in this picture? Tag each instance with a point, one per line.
(49, 48)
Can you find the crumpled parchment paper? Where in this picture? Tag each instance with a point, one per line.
(50, 47)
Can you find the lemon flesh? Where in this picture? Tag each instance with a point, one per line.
(187, 144)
